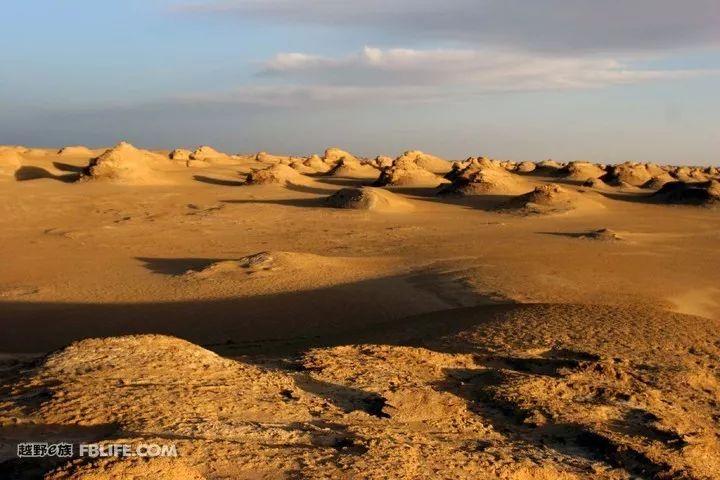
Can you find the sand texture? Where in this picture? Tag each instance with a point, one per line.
(339, 317)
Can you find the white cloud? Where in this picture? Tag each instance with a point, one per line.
(479, 71)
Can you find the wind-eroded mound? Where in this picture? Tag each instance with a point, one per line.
(126, 164)
(697, 193)
(635, 174)
(180, 154)
(475, 180)
(278, 174)
(581, 171)
(525, 167)
(317, 164)
(404, 171)
(431, 163)
(657, 182)
(206, 152)
(333, 155)
(692, 174)
(264, 157)
(551, 198)
(368, 198)
(350, 167)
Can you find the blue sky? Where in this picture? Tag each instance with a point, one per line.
(604, 80)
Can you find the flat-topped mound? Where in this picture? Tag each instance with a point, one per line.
(368, 198)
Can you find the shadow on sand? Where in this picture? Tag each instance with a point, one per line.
(26, 173)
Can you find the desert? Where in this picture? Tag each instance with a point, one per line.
(335, 316)
(360, 240)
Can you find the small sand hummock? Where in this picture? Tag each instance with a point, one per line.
(278, 174)
(180, 154)
(475, 180)
(525, 167)
(333, 155)
(317, 164)
(76, 151)
(635, 174)
(350, 167)
(368, 198)
(602, 234)
(428, 162)
(126, 164)
(406, 172)
(550, 198)
(581, 171)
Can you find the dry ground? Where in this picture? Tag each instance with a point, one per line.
(450, 340)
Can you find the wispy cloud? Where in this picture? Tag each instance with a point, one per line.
(478, 71)
(557, 25)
